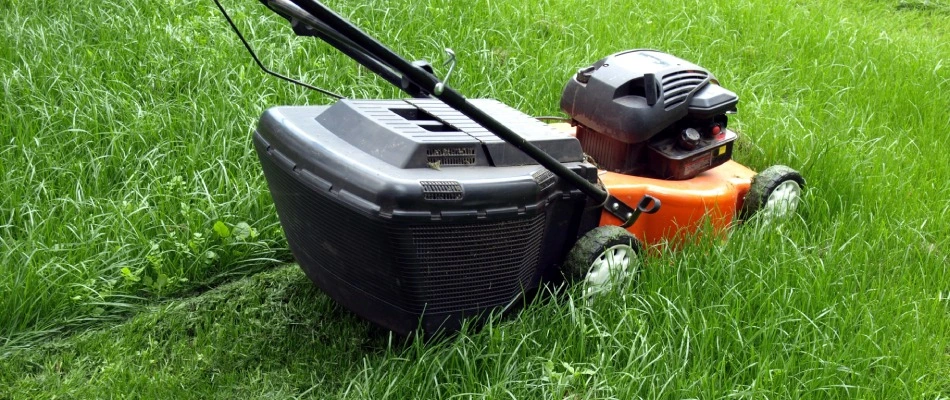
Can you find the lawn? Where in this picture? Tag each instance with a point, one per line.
(141, 256)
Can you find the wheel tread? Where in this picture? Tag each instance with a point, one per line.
(764, 183)
(589, 246)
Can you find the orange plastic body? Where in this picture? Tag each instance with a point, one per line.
(715, 195)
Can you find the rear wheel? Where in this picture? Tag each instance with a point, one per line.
(775, 193)
(601, 257)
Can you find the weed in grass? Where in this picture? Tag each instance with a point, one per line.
(119, 156)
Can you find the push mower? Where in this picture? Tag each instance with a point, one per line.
(425, 211)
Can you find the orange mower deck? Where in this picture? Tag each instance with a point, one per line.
(715, 195)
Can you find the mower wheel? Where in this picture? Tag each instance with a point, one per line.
(774, 193)
(602, 256)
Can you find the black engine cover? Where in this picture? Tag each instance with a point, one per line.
(631, 96)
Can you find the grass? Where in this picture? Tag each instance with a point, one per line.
(135, 224)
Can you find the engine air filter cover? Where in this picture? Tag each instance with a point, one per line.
(633, 95)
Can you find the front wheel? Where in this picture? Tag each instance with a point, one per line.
(775, 193)
(601, 257)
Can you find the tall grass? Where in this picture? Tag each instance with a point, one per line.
(125, 141)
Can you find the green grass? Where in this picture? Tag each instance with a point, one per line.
(135, 223)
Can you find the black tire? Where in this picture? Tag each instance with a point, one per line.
(594, 246)
(776, 190)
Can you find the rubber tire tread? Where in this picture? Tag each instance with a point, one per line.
(590, 246)
(764, 183)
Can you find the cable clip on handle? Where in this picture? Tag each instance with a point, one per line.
(440, 87)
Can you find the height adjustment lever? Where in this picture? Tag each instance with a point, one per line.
(629, 215)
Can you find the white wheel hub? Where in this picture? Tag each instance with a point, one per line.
(783, 200)
(611, 265)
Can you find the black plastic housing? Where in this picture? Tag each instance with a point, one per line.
(410, 215)
(633, 95)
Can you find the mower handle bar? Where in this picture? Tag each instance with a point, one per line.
(305, 24)
(418, 82)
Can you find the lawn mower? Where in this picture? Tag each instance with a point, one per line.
(420, 213)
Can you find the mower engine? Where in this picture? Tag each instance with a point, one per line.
(643, 112)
